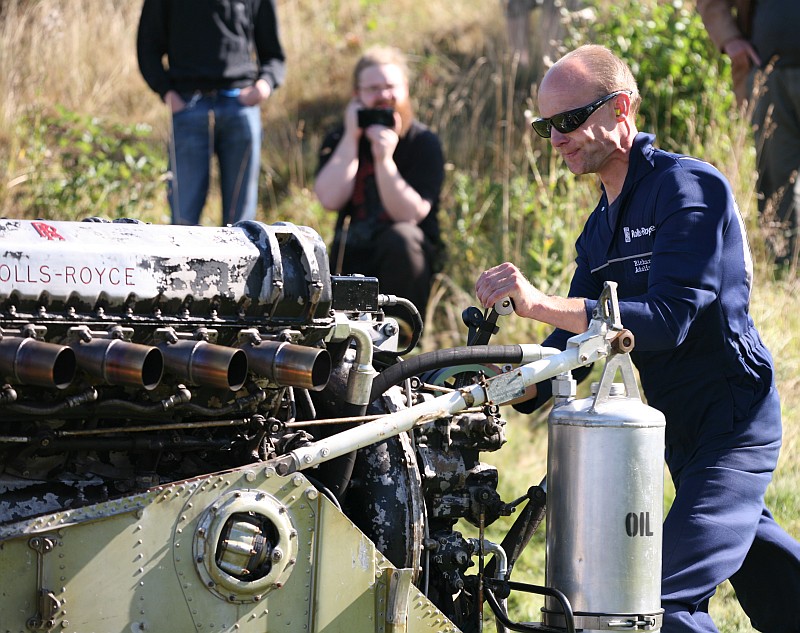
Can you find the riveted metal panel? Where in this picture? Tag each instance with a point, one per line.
(131, 565)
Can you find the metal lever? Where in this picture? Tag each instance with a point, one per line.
(482, 326)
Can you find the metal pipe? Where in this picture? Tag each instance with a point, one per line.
(499, 389)
(289, 365)
(500, 554)
(205, 364)
(362, 373)
(119, 362)
(28, 361)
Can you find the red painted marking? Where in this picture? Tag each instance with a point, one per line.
(47, 231)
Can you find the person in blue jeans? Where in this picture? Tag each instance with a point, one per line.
(667, 229)
(213, 62)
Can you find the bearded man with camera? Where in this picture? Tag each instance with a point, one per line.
(382, 172)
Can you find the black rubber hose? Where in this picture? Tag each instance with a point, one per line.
(337, 473)
(522, 531)
(437, 359)
(416, 320)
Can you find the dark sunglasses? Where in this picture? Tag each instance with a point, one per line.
(571, 120)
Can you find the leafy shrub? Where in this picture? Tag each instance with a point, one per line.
(77, 166)
(684, 81)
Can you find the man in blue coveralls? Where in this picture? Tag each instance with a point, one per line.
(668, 231)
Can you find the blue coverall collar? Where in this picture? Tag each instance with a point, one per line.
(642, 161)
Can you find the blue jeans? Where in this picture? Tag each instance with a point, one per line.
(208, 125)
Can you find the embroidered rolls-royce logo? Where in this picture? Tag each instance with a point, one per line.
(631, 234)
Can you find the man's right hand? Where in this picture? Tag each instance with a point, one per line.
(351, 128)
(506, 280)
(741, 50)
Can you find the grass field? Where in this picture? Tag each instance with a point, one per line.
(69, 78)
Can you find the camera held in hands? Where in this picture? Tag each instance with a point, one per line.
(376, 116)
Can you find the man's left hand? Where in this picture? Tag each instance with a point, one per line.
(383, 141)
(255, 94)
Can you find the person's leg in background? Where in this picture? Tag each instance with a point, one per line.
(402, 257)
(518, 27)
(237, 133)
(776, 121)
(189, 161)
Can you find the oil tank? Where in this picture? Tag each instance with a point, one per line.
(605, 482)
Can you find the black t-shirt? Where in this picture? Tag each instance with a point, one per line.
(419, 160)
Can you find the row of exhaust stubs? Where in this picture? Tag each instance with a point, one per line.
(29, 361)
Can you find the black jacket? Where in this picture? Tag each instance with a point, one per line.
(209, 44)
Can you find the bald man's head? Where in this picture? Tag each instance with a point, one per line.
(596, 71)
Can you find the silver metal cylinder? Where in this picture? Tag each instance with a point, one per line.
(605, 486)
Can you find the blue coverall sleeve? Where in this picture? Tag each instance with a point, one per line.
(693, 205)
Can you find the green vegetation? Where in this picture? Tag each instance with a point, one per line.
(81, 135)
(684, 81)
(76, 166)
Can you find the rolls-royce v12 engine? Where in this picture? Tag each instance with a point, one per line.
(202, 429)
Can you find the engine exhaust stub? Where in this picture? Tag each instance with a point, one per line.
(119, 362)
(205, 364)
(289, 365)
(28, 361)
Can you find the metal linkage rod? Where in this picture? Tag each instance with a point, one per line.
(582, 349)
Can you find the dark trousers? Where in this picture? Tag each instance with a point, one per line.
(400, 256)
(719, 528)
(776, 120)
